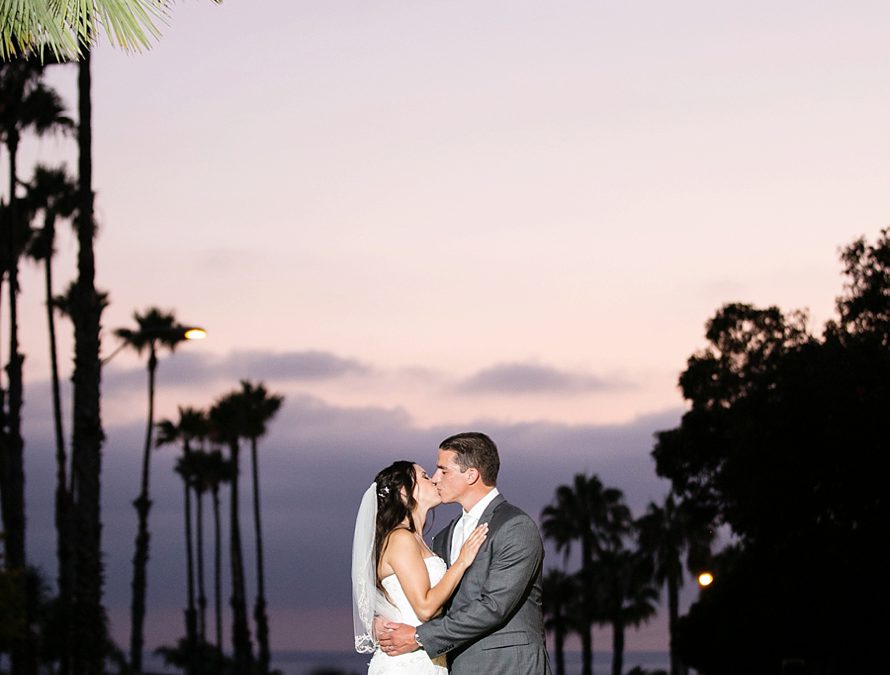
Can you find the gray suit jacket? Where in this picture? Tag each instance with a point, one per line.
(493, 624)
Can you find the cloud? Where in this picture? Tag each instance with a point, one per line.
(532, 378)
(191, 367)
(315, 463)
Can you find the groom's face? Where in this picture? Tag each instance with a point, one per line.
(449, 480)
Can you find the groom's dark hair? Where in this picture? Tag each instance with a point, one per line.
(475, 450)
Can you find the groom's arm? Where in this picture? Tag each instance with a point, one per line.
(517, 553)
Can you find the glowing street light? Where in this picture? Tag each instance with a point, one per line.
(194, 333)
(705, 579)
(150, 334)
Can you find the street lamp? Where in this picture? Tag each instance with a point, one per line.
(194, 333)
(705, 579)
(175, 333)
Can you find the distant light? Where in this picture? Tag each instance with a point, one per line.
(705, 579)
(195, 334)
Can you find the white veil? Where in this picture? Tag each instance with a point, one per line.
(367, 600)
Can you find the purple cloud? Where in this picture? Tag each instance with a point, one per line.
(193, 367)
(532, 378)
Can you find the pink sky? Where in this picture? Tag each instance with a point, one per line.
(510, 212)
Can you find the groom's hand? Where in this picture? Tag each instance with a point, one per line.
(397, 638)
(379, 627)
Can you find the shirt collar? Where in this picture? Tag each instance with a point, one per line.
(477, 511)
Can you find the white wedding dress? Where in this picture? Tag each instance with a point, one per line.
(417, 662)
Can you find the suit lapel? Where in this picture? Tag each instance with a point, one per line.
(442, 542)
(489, 510)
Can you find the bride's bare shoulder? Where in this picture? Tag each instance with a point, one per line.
(401, 541)
(401, 536)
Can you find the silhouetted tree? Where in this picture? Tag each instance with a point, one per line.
(630, 597)
(259, 408)
(216, 472)
(28, 105)
(785, 441)
(560, 593)
(155, 329)
(201, 658)
(54, 193)
(191, 427)
(209, 470)
(597, 518)
(667, 533)
(227, 424)
(864, 308)
(85, 307)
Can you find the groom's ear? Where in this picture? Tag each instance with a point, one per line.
(472, 476)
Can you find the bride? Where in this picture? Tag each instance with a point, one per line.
(394, 573)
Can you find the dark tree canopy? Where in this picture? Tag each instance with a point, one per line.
(785, 442)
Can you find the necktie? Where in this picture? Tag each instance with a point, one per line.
(461, 532)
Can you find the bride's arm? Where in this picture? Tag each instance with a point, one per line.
(405, 558)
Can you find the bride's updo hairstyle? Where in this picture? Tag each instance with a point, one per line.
(395, 502)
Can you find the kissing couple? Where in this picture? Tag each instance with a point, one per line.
(469, 606)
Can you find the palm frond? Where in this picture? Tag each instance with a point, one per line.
(63, 27)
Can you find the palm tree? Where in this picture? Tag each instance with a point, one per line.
(156, 329)
(89, 635)
(259, 408)
(201, 472)
(192, 427)
(213, 471)
(666, 533)
(559, 594)
(630, 597)
(28, 104)
(85, 307)
(54, 192)
(227, 427)
(598, 519)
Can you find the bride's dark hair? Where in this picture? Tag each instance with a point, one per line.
(392, 508)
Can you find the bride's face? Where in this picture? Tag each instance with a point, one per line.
(425, 492)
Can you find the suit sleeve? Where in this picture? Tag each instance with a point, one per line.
(516, 554)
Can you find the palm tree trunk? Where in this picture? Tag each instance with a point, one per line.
(140, 557)
(586, 620)
(61, 458)
(240, 629)
(677, 668)
(587, 648)
(217, 578)
(617, 647)
(202, 595)
(23, 652)
(63, 506)
(191, 629)
(259, 612)
(559, 638)
(13, 479)
(86, 447)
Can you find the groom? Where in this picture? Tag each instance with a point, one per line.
(493, 624)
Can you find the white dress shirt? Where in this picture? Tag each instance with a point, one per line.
(468, 522)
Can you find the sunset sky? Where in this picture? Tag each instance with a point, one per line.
(416, 218)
